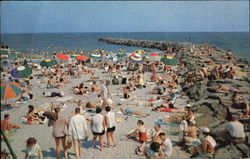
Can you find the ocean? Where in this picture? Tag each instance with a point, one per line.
(238, 42)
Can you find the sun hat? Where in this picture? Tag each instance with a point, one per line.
(205, 130)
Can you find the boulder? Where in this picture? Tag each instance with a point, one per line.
(197, 91)
(205, 120)
(228, 152)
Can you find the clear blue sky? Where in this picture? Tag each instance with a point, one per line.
(117, 16)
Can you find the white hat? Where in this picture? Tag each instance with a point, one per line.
(193, 121)
(205, 130)
(109, 101)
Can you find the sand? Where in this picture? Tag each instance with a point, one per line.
(124, 150)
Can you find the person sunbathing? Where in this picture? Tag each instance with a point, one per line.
(54, 94)
(151, 151)
(222, 87)
(168, 108)
(128, 111)
(238, 102)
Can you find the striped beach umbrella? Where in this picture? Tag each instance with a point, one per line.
(82, 58)
(48, 63)
(62, 56)
(10, 90)
(21, 72)
(95, 56)
(136, 58)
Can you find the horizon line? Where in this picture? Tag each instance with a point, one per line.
(126, 32)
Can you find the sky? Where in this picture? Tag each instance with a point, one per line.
(126, 16)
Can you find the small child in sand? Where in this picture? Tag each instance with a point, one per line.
(33, 150)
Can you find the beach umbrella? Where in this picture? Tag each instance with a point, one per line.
(95, 56)
(82, 58)
(154, 54)
(10, 90)
(121, 55)
(48, 63)
(3, 58)
(74, 55)
(136, 58)
(62, 56)
(21, 72)
(139, 52)
(169, 61)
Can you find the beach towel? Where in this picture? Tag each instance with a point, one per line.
(120, 113)
(63, 99)
(168, 123)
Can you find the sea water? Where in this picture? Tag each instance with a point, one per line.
(238, 42)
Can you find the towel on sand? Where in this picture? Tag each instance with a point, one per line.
(120, 113)
(166, 123)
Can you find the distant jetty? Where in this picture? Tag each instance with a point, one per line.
(161, 45)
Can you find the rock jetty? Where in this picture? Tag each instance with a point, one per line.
(161, 45)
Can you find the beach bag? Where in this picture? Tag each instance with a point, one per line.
(68, 142)
(124, 80)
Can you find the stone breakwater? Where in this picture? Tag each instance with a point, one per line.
(214, 107)
(161, 45)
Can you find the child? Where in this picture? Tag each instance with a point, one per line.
(33, 150)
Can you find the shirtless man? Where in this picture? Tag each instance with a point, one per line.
(225, 88)
(191, 132)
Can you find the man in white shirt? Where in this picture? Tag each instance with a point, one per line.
(166, 145)
(236, 130)
(77, 127)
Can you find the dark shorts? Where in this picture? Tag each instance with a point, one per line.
(61, 137)
(102, 133)
(111, 129)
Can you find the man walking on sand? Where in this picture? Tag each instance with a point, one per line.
(77, 127)
(105, 93)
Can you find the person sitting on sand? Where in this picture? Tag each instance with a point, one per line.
(231, 73)
(154, 77)
(6, 125)
(126, 92)
(140, 133)
(33, 150)
(155, 132)
(189, 115)
(238, 102)
(24, 97)
(139, 82)
(128, 111)
(54, 94)
(51, 83)
(151, 151)
(191, 133)
(166, 146)
(222, 87)
(207, 147)
(131, 84)
(158, 89)
(60, 82)
(33, 116)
